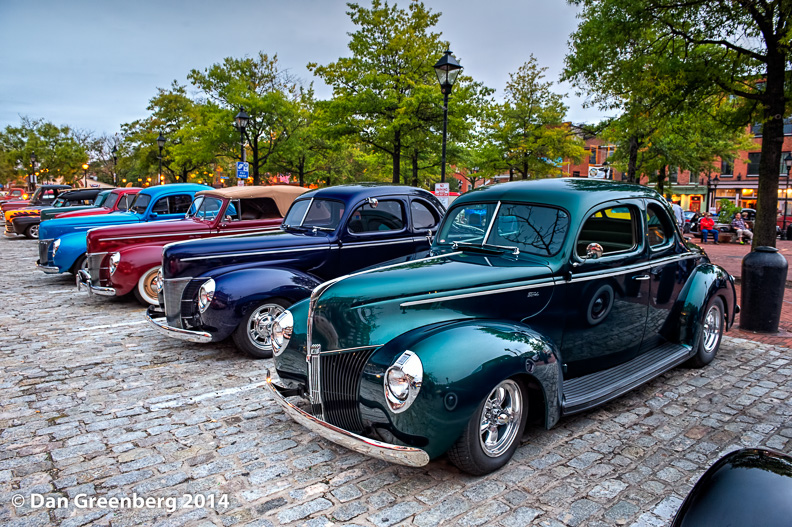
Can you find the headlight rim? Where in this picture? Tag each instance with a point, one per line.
(285, 323)
(411, 367)
(114, 259)
(55, 246)
(206, 295)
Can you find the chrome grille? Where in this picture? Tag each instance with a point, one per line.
(94, 263)
(340, 375)
(43, 246)
(172, 293)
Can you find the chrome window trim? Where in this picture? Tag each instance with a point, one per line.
(379, 243)
(537, 284)
(492, 222)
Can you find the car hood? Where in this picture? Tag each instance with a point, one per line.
(372, 307)
(112, 237)
(51, 212)
(198, 257)
(57, 227)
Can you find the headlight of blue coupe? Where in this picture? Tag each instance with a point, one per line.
(205, 295)
(281, 332)
(55, 246)
(114, 259)
(403, 381)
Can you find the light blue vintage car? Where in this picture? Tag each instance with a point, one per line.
(62, 241)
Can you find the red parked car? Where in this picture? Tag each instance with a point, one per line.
(127, 258)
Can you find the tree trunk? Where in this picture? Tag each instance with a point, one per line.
(254, 147)
(415, 168)
(329, 180)
(770, 161)
(511, 173)
(632, 160)
(301, 168)
(661, 177)
(396, 155)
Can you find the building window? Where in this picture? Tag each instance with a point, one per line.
(593, 156)
(694, 178)
(672, 175)
(576, 173)
(727, 167)
(753, 163)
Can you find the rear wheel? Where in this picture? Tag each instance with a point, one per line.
(32, 232)
(146, 291)
(494, 430)
(252, 335)
(711, 333)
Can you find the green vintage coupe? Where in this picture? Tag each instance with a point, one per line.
(538, 300)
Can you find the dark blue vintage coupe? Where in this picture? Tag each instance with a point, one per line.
(236, 286)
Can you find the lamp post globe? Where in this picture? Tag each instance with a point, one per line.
(160, 143)
(85, 175)
(447, 70)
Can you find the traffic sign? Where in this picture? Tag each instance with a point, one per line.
(243, 169)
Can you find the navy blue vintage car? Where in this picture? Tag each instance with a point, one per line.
(212, 289)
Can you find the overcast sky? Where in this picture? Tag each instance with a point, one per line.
(94, 64)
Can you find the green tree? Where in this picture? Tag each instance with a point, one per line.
(270, 96)
(668, 51)
(529, 128)
(386, 95)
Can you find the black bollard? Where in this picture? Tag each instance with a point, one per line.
(764, 273)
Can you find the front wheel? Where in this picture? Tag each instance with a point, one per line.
(711, 333)
(146, 291)
(80, 264)
(32, 232)
(494, 430)
(252, 335)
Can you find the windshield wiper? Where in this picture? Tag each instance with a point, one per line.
(485, 247)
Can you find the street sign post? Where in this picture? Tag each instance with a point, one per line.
(243, 169)
(441, 191)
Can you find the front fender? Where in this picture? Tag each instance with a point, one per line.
(237, 292)
(72, 246)
(707, 281)
(462, 362)
(134, 262)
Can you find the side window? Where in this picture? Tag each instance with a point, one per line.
(661, 232)
(613, 228)
(232, 211)
(423, 216)
(379, 217)
(180, 204)
(161, 206)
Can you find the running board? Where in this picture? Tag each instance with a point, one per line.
(594, 389)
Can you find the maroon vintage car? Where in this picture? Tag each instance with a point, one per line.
(126, 258)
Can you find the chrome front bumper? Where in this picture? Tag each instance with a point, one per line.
(49, 269)
(160, 323)
(401, 455)
(83, 279)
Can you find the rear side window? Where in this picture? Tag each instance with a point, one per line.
(180, 203)
(614, 228)
(423, 216)
(385, 215)
(160, 207)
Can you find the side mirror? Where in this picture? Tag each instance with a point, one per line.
(593, 251)
(373, 202)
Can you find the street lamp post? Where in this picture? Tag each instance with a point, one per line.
(788, 163)
(33, 166)
(241, 121)
(85, 175)
(447, 70)
(115, 162)
(712, 185)
(160, 144)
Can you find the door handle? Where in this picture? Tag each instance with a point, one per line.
(642, 277)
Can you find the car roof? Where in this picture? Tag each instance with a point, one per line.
(574, 194)
(173, 187)
(365, 190)
(82, 193)
(282, 195)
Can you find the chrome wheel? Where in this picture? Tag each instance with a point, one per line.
(500, 418)
(712, 328)
(33, 232)
(147, 287)
(258, 325)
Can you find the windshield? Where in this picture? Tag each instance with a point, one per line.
(533, 229)
(205, 208)
(140, 203)
(36, 194)
(111, 200)
(323, 214)
(58, 202)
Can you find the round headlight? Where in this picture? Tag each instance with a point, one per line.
(158, 282)
(281, 332)
(403, 381)
(114, 259)
(205, 295)
(55, 246)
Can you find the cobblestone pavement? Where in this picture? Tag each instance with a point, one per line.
(94, 404)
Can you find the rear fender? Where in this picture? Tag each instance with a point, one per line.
(462, 362)
(706, 282)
